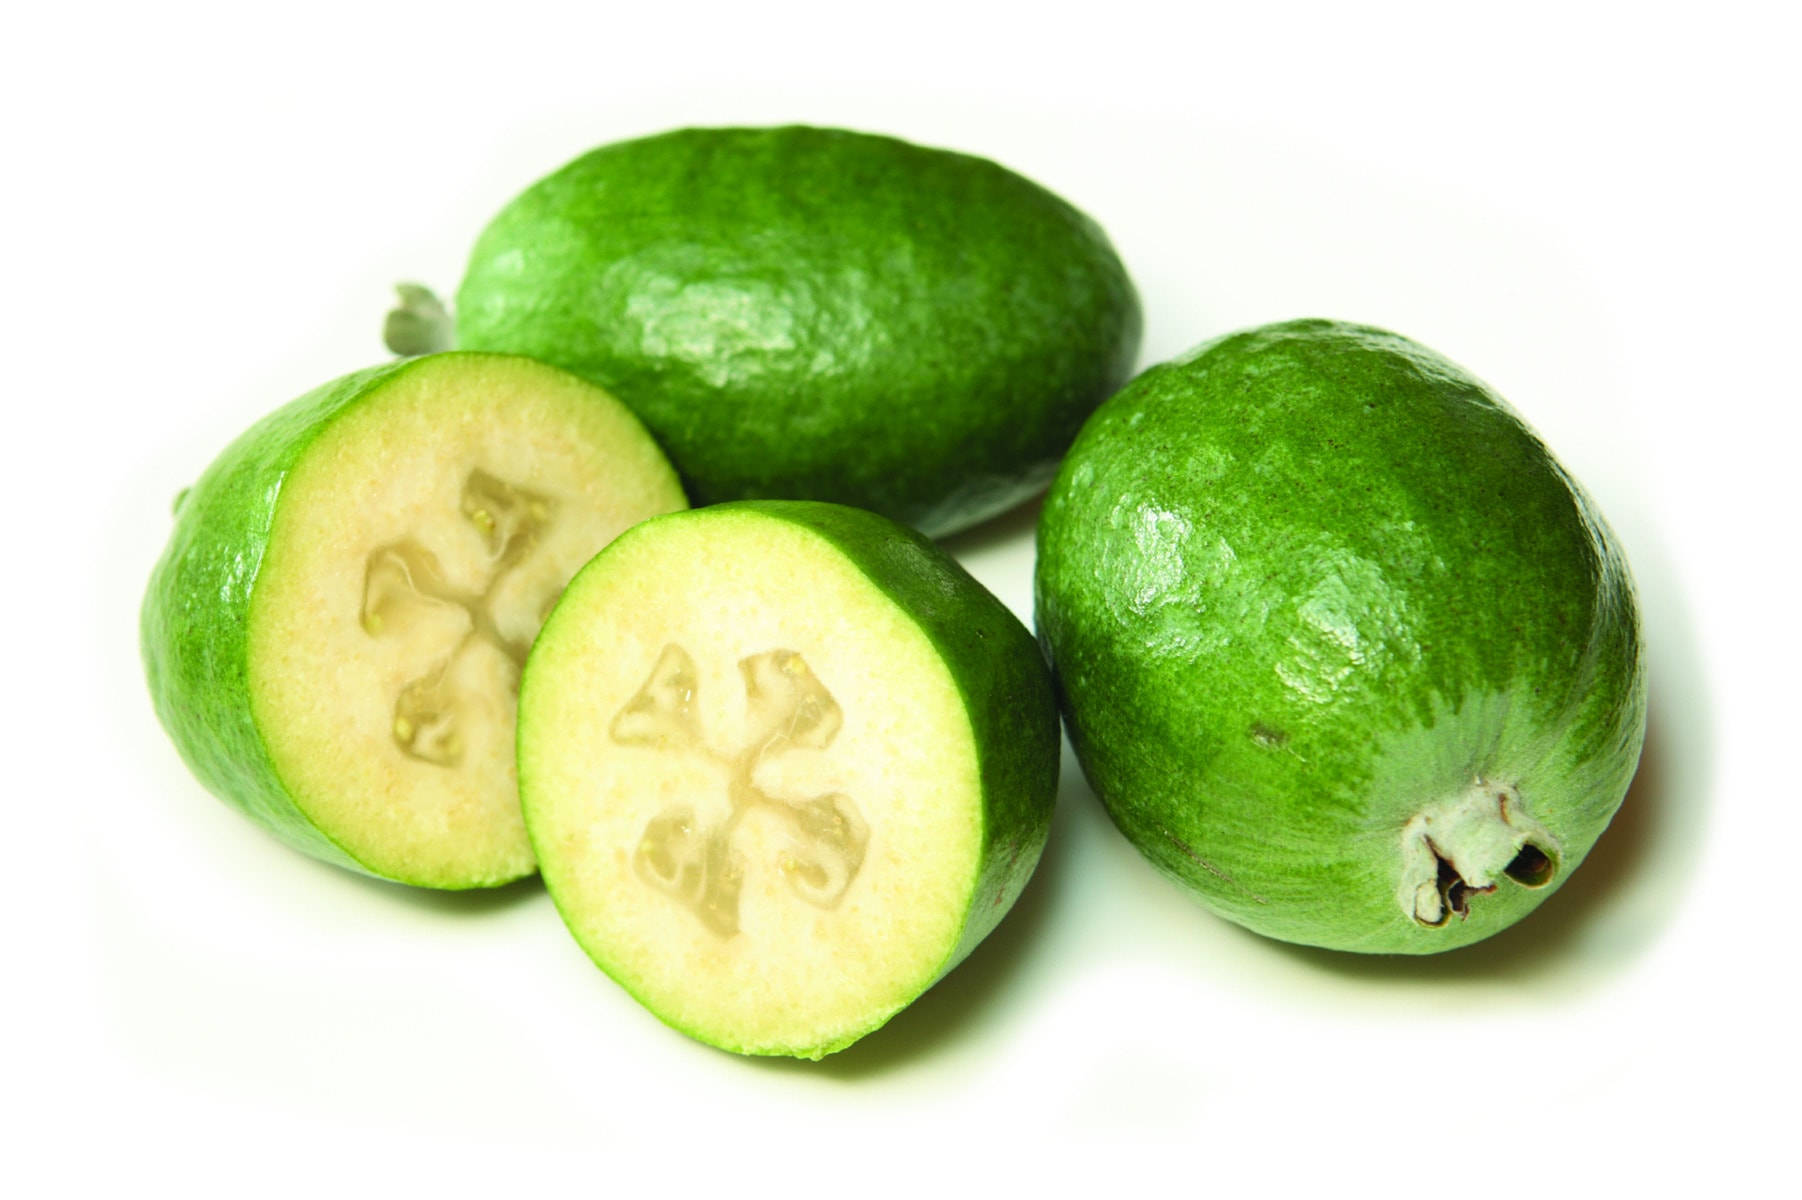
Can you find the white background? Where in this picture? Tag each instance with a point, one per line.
(1590, 206)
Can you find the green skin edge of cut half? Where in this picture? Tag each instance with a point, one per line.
(999, 673)
(194, 625)
(1304, 581)
(195, 620)
(802, 313)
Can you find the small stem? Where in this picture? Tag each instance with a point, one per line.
(419, 324)
(1463, 846)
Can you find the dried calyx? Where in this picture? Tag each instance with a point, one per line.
(1466, 846)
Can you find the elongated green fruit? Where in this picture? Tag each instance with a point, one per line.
(1340, 645)
(333, 636)
(816, 314)
(784, 765)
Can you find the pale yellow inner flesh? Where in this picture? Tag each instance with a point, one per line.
(752, 784)
(418, 546)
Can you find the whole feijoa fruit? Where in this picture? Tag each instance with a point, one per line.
(1340, 645)
(334, 635)
(785, 764)
(817, 314)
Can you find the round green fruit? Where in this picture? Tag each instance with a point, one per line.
(334, 634)
(1340, 645)
(784, 765)
(816, 314)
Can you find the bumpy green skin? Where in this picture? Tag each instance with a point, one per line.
(999, 673)
(816, 314)
(195, 619)
(1308, 578)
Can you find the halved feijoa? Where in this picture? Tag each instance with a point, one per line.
(784, 765)
(334, 635)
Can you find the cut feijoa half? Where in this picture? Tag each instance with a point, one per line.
(334, 635)
(1340, 645)
(784, 765)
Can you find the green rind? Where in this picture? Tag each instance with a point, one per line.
(1303, 581)
(998, 671)
(194, 624)
(818, 314)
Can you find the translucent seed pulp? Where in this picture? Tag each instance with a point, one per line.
(404, 580)
(787, 709)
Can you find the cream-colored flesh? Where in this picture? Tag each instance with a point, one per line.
(418, 544)
(751, 783)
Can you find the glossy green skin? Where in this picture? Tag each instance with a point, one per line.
(815, 314)
(991, 657)
(1308, 578)
(194, 622)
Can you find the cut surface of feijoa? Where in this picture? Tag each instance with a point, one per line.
(802, 313)
(1340, 645)
(334, 636)
(784, 765)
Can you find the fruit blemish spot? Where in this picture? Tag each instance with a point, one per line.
(405, 580)
(787, 710)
